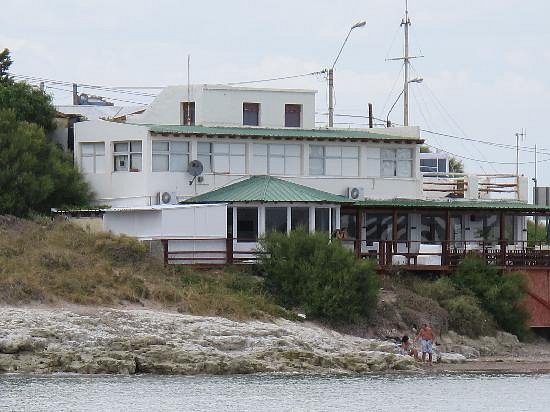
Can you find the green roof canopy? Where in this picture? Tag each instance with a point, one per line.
(501, 205)
(289, 133)
(267, 189)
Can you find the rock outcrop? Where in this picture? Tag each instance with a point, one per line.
(145, 341)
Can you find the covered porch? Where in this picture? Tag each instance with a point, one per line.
(436, 235)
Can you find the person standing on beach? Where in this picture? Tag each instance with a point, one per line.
(426, 336)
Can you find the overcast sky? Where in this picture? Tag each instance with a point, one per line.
(485, 70)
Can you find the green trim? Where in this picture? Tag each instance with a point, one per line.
(290, 133)
(267, 189)
(453, 204)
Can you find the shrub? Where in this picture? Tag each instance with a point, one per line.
(467, 318)
(121, 249)
(324, 278)
(500, 294)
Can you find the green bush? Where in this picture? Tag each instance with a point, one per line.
(121, 249)
(467, 318)
(323, 278)
(500, 294)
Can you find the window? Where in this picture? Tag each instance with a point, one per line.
(402, 228)
(348, 222)
(293, 115)
(92, 157)
(230, 221)
(456, 230)
(299, 218)
(204, 155)
(251, 114)
(277, 159)
(275, 219)
(188, 113)
(169, 155)
(433, 229)
(127, 156)
(378, 227)
(228, 157)
(322, 219)
(247, 224)
(433, 165)
(396, 162)
(333, 160)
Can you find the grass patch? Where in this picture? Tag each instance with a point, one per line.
(54, 262)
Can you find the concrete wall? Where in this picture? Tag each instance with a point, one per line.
(219, 105)
(140, 188)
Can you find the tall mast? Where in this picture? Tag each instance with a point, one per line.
(406, 22)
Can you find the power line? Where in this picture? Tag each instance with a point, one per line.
(278, 78)
(110, 98)
(483, 160)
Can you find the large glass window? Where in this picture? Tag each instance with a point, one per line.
(378, 227)
(247, 224)
(228, 158)
(348, 223)
(432, 229)
(251, 114)
(433, 165)
(299, 218)
(275, 219)
(92, 157)
(204, 155)
(188, 113)
(322, 219)
(293, 115)
(456, 230)
(169, 155)
(396, 162)
(333, 160)
(127, 156)
(277, 159)
(402, 228)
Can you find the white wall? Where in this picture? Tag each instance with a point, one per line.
(218, 105)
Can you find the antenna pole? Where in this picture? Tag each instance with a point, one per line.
(406, 61)
(188, 91)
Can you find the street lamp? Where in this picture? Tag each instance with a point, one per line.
(331, 75)
(415, 80)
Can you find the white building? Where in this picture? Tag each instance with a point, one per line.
(262, 156)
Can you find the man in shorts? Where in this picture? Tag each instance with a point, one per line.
(426, 336)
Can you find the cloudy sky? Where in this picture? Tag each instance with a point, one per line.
(485, 70)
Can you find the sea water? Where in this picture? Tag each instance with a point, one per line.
(392, 392)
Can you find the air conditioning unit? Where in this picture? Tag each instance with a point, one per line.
(356, 193)
(167, 198)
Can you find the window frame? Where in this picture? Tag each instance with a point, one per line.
(395, 160)
(324, 157)
(94, 155)
(230, 155)
(288, 107)
(129, 154)
(251, 104)
(187, 106)
(270, 156)
(170, 153)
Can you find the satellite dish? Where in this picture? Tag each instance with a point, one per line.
(354, 193)
(195, 168)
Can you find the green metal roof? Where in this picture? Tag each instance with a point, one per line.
(294, 133)
(267, 189)
(453, 204)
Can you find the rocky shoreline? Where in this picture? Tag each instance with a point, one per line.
(93, 341)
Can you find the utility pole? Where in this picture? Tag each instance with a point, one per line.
(406, 22)
(75, 94)
(330, 97)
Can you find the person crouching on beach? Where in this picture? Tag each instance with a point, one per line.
(426, 336)
(407, 348)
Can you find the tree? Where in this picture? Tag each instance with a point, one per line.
(30, 104)
(323, 278)
(455, 165)
(5, 63)
(35, 174)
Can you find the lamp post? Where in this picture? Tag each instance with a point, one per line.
(331, 75)
(415, 80)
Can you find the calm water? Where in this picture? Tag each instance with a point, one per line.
(276, 393)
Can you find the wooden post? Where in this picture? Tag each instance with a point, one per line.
(229, 249)
(447, 243)
(358, 231)
(394, 231)
(165, 251)
(502, 239)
